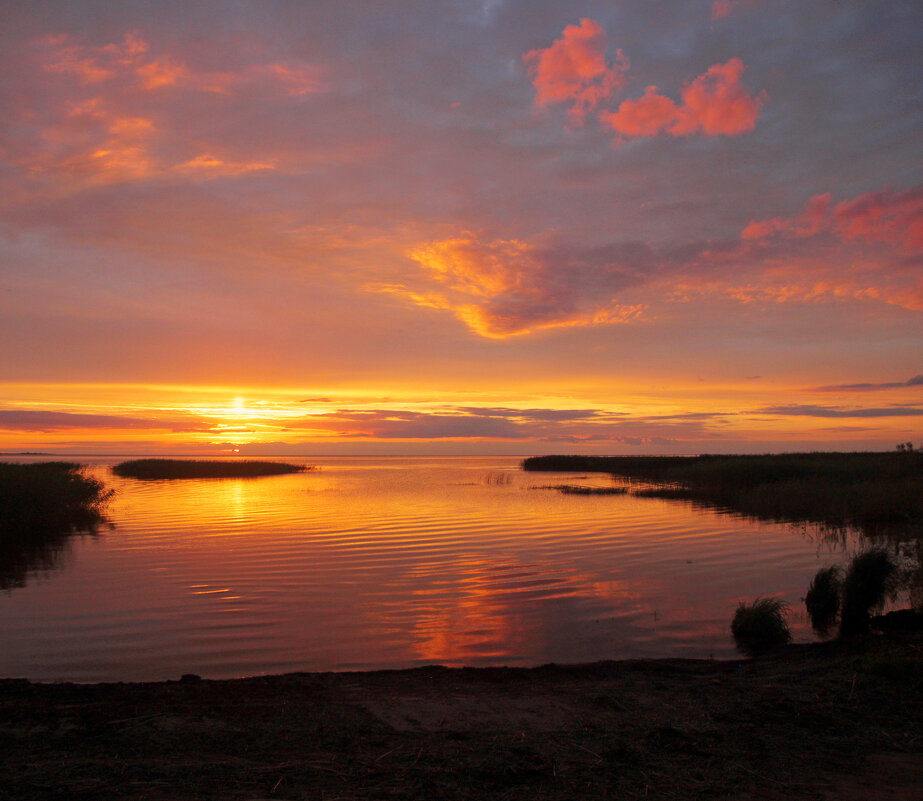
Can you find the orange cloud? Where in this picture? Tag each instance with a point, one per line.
(133, 61)
(810, 222)
(504, 288)
(213, 167)
(92, 64)
(894, 218)
(574, 69)
(161, 73)
(714, 104)
(96, 136)
(92, 141)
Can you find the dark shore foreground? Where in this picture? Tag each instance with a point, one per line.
(828, 721)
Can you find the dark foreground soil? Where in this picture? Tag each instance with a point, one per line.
(814, 722)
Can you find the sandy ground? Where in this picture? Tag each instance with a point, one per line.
(834, 722)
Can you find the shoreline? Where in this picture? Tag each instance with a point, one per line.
(828, 720)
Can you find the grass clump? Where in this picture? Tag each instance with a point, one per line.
(760, 626)
(823, 598)
(871, 580)
(200, 468)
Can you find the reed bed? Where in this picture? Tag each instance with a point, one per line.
(37, 498)
(41, 505)
(577, 489)
(201, 468)
(871, 491)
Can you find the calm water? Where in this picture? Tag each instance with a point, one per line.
(373, 563)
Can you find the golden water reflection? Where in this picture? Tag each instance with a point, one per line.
(391, 563)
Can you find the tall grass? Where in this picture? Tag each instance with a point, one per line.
(40, 506)
(760, 626)
(871, 580)
(199, 468)
(823, 598)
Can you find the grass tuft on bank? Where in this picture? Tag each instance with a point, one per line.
(760, 626)
(202, 468)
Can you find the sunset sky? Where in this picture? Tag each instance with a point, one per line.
(466, 226)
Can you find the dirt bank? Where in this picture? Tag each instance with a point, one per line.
(825, 721)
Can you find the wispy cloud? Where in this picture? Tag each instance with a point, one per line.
(809, 410)
(28, 420)
(505, 423)
(916, 381)
(894, 218)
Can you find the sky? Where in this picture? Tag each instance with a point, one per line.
(460, 226)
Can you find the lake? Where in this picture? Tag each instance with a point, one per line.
(370, 563)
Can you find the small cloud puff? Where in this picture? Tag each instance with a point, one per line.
(714, 104)
(574, 69)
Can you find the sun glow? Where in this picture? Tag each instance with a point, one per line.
(612, 417)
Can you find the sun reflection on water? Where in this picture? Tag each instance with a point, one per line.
(381, 563)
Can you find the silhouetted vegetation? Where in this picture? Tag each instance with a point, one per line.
(760, 626)
(823, 598)
(40, 506)
(871, 580)
(868, 490)
(198, 468)
(577, 489)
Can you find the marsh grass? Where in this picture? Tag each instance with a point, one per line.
(872, 579)
(200, 468)
(35, 498)
(760, 626)
(871, 491)
(40, 506)
(823, 598)
(577, 489)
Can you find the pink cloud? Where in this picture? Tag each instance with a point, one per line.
(886, 216)
(574, 69)
(894, 218)
(646, 116)
(724, 8)
(810, 222)
(714, 104)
